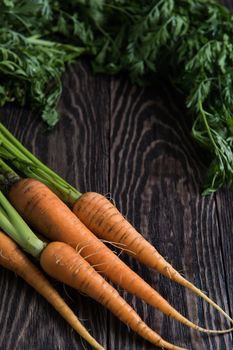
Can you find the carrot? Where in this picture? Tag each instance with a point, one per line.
(106, 222)
(96, 212)
(44, 211)
(12, 258)
(62, 262)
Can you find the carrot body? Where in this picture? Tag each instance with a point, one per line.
(42, 209)
(14, 259)
(62, 262)
(106, 222)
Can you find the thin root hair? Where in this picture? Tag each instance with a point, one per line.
(118, 246)
(110, 198)
(78, 245)
(113, 243)
(81, 249)
(96, 265)
(66, 292)
(83, 343)
(90, 255)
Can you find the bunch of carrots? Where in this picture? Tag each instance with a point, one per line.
(76, 227)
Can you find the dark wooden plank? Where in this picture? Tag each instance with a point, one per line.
(153, 173)
(160, 141)
(224, 199)
(156, 183)
(77, 148)
(155, 178)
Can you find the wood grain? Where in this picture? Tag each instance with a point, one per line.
(156, 183)
(77, 148)
(135, 145)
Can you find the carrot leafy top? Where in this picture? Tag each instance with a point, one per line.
(188, 42)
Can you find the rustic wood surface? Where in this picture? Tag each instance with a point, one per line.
(133, 144)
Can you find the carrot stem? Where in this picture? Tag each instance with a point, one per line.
(7, 226)
(6, 168)
(28, 164)
(10, 219)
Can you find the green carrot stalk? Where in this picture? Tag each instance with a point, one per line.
(12, 223)
(30, 166)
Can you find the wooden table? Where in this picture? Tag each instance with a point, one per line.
(133, 144)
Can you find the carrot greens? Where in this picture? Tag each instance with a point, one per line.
(189, 42)
(26, 163)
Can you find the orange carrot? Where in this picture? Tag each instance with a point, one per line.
(106, 222)
(43, 210)
(62, 262)
(96, 212)
(12, 258)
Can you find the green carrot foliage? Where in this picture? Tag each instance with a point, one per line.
(189, 41)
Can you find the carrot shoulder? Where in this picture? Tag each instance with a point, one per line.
(12, 258)
(43, 210)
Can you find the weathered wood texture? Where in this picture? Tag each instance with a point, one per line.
(135, 145)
